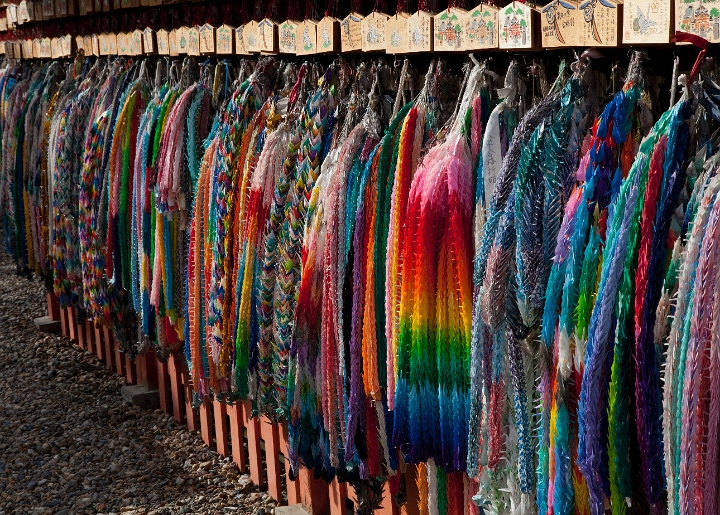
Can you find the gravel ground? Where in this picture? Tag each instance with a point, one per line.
(69, 444)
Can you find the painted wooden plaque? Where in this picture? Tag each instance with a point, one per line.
(306, 38)
(88, 45)
(646, 21)
(374, 28)
(598, 21)
(558, 24)
(420, 32)
(173, 43)
(86, 7)
(79, 43)
(127, 4)
(286, 37)
(112, 44)
(148, 40)
(37, 6)
(397, 34)
(193, 41)
(699, 17)
(481, 28)
(267, 35)
(121, 44)
(181, 38)
(207, 39)
(104, 49)
(17, 49)
(136, 41)
(96, 45)
(449, 29)
(3, 27)
(328, 35)
(27, 48)
(252, 39)
(36, 48)
(45, 50)
(241, 41)
(515, 26)
(106, 5)
(351, 32)
(23, 15)
(66, 45)
(224, 37)
(48, 8)
(162, 38)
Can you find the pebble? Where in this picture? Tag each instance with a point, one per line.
(71, 445)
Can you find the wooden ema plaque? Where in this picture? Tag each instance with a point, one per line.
(396, 36)
(48, 7)
(449, 29)
(241, 41)
(515, 26)
(224, 39)
(207, 39)
(86, 7)
(374, 28)
(646, 21)
(328, 35)
(3, 27)
(88, 45)
(252, 40)
(598, 23)
(173, 43)
(66, 45)
(181, 38)
(122, 44)
(136, 41)
(148, 36)
(286, 37)
(558, 24)
(27, 49)
(306, 38)
(420, 32)
(193, 41)
(267, 35)
(351, 33)
(37, 6)
(701, 18)
(481, 28)
(162, 37)
(79, 44)
(45, 49)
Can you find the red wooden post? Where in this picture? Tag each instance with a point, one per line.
(221, 429)
(109, 348)
(72, 325)
(163, 383)
(270, 435)
(176, 389)
(130, 372)
(252, 426)
(206, 423)
(338, 497)
(119, 356)
(81, 337)
(314, 493)
(90, 336)
(64, 328)
(99, 342)
(292, 486)
(53, 306)
(236, 435)
(191, 414)
(388, 506)
(411, 492)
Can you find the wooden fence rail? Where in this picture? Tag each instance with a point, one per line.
(258, 446)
